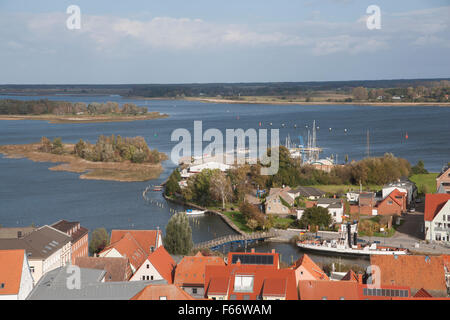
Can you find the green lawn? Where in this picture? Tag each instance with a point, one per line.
(426, 183)
(238, 219)
(338, 188)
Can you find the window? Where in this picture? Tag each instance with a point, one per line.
(324, 298)
(148, 266)
(243, 283)
(2, 285)
(151, 278)
(32, 269)
(389, 202)
(194, 290)
(163, 298)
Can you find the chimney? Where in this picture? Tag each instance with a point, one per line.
(253, 250)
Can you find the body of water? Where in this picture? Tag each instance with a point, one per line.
(30, 193)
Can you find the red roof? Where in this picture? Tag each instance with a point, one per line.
(145, 238)
(191, 270)
(417, 272)
(328, 290)
(434, 204)
(11, 271)
(422, 293)
(162, 292)
(306, 262)
(268, 280)
(128, 247)
(163, 262)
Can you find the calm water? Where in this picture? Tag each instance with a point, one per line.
(30, 193)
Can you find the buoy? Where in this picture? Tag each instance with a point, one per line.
(407, 137)
(260, 124)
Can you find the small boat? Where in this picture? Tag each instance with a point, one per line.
(191, 212)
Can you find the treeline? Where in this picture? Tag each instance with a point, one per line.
(107, 149)
(45, 106)
(369, 171)
(435, 91)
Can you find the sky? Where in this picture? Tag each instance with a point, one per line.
(205, 41)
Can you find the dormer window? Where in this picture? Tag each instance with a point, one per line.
(243, 283)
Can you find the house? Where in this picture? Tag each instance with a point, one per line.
(393, 204)
(211, 166)
(279, 201)
(136, 245)
(162, 292)
(306, 192)
(437, 217)
(158, 265)
(413, 271)
(92, 286)
(366, 204)
(323, 164)
(335, 208)
(16, 281)
(190, 273)
(443, 179)
(446, 259)
(46, 249)
(116, 269)
(80, 242)
(403, 185)
(307, 269)
(250, 276)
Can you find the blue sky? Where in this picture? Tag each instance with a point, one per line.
(188, 41)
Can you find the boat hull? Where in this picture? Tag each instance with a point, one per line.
(348, 251)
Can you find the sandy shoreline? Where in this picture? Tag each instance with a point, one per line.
(322, 103)
(86, 118)
(112, 171)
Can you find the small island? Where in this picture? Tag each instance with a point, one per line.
(79, 112)
(110, 158)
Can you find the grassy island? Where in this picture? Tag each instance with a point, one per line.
(110, 158)
(67, 112)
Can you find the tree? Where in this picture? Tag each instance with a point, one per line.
(46, 145)
(220, 187)
(419, 168)
(316, 216)
(99, 240)
(57, 146)
(178, 239)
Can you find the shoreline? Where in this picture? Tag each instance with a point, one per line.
(107, 171)
(85, 118)
(321, 103)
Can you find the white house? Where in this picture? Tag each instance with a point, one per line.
(402, 185)
(159, 265)
(16, 281)
(335, 208)
(437, 217)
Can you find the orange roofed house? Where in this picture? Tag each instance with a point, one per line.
(136, 245)
(443, 180)
(16, 281)
(416, 272)
(250, 276)
(393, 204)
(306, 269)
(190, 273)
(437, 217)
(159, 265)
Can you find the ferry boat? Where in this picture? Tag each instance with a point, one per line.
(191, 212)
(347, 244)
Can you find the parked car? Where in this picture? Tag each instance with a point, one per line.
(412, 210)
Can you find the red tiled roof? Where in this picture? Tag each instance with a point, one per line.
(396, 193)
(11, 262)
(417, 272)
(128, 247)
(163, 262)
(434, 204)
(145, 238)
(275, 287)
(157, 291)
(311, 266)
(220, 280)
(117, 269)
(191, 270)
(350, 276)
(328, 290)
